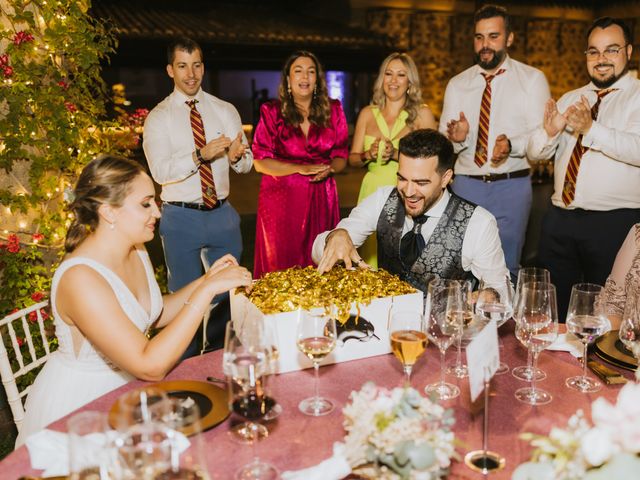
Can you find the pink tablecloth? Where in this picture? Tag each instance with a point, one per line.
(298, 441)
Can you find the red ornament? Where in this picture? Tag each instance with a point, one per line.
(8, 71)
(71, 107)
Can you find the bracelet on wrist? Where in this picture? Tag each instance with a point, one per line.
(364, 158)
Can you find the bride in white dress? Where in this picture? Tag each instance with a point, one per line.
(104, 296)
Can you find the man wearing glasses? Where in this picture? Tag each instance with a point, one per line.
(489, 111)
(595, 134)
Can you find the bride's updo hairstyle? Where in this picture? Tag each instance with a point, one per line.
(104, 180)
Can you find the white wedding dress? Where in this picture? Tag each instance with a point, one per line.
(69, 381)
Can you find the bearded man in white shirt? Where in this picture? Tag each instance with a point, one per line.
(191, 139)
(423, 231)
(595, 134)
(489, 111)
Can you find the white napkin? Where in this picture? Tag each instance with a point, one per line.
(567, 342)
(49, 450)
(333, 468)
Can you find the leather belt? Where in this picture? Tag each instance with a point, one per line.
(198, 206)
(494, 177)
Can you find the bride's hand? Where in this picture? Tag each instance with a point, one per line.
(228, 277)
(223, 262)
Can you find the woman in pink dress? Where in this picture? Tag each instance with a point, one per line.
(300, 141)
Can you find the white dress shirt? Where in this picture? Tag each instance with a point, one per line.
(481, 247)
(517, 106)
(169, 145)
(609, 173)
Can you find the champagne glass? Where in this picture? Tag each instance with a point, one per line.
(441, 332)
(586, 319)
(526, 275)
(316, 338)
(629, 332)
(537, 328)
(273, 356)
(495, 302)
(408, 339)
(460, 313)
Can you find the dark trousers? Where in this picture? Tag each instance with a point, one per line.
(581, 246)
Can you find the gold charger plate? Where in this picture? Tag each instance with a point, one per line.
(609, 348)
(211, 400)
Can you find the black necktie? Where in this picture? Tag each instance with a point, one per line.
(412, 242)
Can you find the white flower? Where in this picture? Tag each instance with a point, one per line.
(598, 446)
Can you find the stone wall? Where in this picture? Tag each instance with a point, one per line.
(441, 43)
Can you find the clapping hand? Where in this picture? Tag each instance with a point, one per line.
(236, 149)
(215, 148)
(501, 150)
(553, 122)
(578, 116)
(387, 153)
(457, 130)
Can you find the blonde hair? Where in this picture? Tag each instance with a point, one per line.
(105, 180)
(414, 93)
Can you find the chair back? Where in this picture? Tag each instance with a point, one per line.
(25, 363)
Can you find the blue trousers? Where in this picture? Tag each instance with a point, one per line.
(510, 202)
(193, 239)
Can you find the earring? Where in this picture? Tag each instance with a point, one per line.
(288, 88)
(315, 89)
(112, 226)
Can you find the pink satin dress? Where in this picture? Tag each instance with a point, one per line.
(292, 210)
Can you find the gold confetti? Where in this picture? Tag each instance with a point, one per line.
(288, 290)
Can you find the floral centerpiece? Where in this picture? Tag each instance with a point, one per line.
(607, 448)
(397, 434)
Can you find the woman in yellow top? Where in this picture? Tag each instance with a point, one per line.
(396, 109)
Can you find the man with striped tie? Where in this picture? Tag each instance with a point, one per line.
(191, 139)
(489, 111)
(595, 134)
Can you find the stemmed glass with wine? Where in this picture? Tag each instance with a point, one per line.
(408, 337)
(441, 332)
(316, 338)
(495, 302)
(246, 365)
(537, 328)
(587, 320)
(460, 314)
(526, 275)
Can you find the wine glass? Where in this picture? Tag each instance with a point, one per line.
(537, 328)
(495, 302)
(248, 399)
(134, 407)
(408, 339)
(526, 275)
(629, 332)
(244, 359)
(273, 356)
(441, 332)
(460, 313)
(316, 338)
(587, 320)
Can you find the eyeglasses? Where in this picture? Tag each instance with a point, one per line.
(609, 53)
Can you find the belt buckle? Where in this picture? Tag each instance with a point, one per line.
(486, 178)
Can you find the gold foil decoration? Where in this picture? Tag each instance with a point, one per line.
(288, 290)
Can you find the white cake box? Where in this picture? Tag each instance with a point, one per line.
(368, 338)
